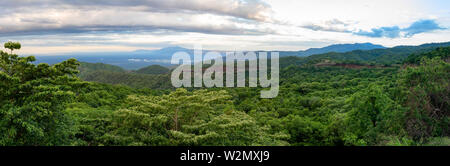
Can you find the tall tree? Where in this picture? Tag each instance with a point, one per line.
(32, 100)
(12, 46)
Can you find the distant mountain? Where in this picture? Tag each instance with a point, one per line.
(153, 69)
(128, 60)
(163, 53)
(340, 48)
(169, 51)
(156, 76)
(135, 60)
(385, 56)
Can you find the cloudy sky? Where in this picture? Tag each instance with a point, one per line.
(59, 26)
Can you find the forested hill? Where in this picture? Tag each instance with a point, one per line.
(89, 67)
(442, 52)
(331, 48)
(153, 69)
(154, 76)
(386, 56)
(341, 48)
(142, 58)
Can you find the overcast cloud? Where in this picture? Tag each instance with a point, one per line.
(69, 16)
(233, 24)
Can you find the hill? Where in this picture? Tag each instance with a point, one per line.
(88, 67)
(442, 52)
(365, 52)
(340, 48)
(153, 77)
(133, 80)
(388, 56)
(134, 60)
(153, 69)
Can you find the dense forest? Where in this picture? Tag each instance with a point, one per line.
(375, 97)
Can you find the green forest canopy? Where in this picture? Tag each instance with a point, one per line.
(327, 105)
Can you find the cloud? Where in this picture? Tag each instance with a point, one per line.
(336, 22)
(333, 25)
(315, 27)
(69, 16)
(247, 9)
(122, 19)
(421, 26)
(390, 32)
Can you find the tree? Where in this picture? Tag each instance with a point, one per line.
(182, 106)
(33, 98)
(442, 52)
(148, 120)
(372, 113)
(304, 131)
(201, 117)
(12, 45)
(233, 128)
(427, 92)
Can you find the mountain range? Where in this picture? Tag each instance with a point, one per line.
(340, 48)
(141, 58)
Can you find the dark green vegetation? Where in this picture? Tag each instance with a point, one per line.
(385, 57)
(153, 69)
(12, 46)
(341, 48)
(131, 79)
(154, 77)
(442, 52)
(92, 67)
(404, 104)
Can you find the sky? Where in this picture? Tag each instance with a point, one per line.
(63, 26)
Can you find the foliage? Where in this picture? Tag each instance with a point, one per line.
(90, 67)
(130, 79)
(372, 114)
(153, 69)
(441, 52)
(317, 104)
(388, 56)
(180, 118)
(33, 99)
(12, 45)
(427, 95)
